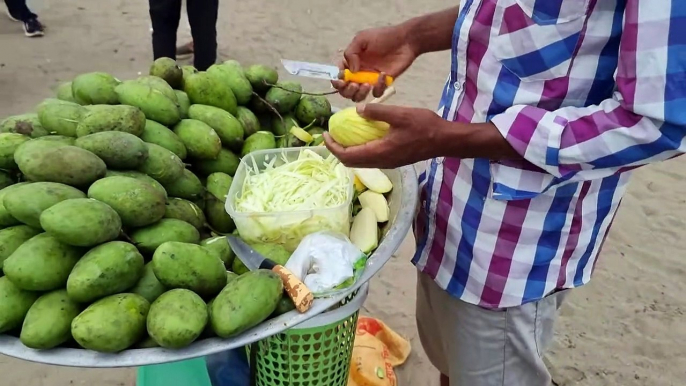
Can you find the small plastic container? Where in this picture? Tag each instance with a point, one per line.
(285, 228)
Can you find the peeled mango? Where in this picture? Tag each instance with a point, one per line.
(9, 143)
(234, 78)
(177, 318)
(137, 202)
(248, 120)
(231, 314)
(201, 141)
(11, 238)
(261, 77)
(6, 219)
(313, 109)
(69, 165)
(28, 202)
(162, 165)
(348, 128)
(119, 150)
(167, 69)
(184, 210)
(221, 247)
(148, 286)
(95, 88)
(203, 88)
(284, 96)
(24, 124)
(111, 324)
(189, 266)
(218, 185)
(64, 92)
(149, 238)
(160, 85)
(101, 118)
(107, 269)
(14, 304)
(228, 128)
(139, 176)
(41, 264)
(226, 162)
(60, 117)
(160, 135)
(72, 222)
(187, 186)
(48, 322)
(154, 104)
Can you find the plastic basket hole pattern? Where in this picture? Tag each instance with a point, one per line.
(307, 357)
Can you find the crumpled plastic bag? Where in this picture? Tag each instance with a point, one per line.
(324, 260)
(376, 352)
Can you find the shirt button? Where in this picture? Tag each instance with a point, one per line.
(458, 86)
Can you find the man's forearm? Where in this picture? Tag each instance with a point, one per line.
(472, 140)
(432, 32)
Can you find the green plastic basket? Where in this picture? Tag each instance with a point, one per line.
(315, 353)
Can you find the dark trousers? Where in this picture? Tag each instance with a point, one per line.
(19, 10)
(202, 16)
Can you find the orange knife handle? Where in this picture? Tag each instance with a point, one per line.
(361, 77)
(297, 290)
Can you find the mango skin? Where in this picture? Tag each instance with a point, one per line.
(11, 238)
(48, 322)
(221, 247)
(285, 97)
(6, 179)
(261, 77)
(188, 186)
(154, 104)
(189, 266)
(6, 219)
(203, 88)
(81, 222)
(95, 88)
(137, 202)
(9, 143)
(28, 202)
(149, 238)
(160, 135)
(61, 118)
(65, 93)
(177, 318)
(24, 124)
(162, 165)
(118, 150)
(226, 162)
(111, 324)
(231, 314)
(273, 252)
(101, 118)
(41, 264)
(107, 269)
(160, 85)
(68, 165)
(218, 185)
(248, 120)
(313, 109)
(184, 210)
(139, 176)
(201, 141)
(234, 78)
(262, 140)
(14, 304)
(167, 69)
(228, 128)
(148, 286)
(184, 103)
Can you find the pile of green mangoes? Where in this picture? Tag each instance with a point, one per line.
(112, 203)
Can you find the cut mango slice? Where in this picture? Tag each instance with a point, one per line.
(364, 232)
(374, 179)
(377, 203)
(359, 186)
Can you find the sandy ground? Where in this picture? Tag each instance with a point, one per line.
(625, 328)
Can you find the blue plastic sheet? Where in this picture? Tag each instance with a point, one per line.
(228, 368)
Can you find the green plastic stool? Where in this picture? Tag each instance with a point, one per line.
(192, 372)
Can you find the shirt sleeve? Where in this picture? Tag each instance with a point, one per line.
(643, 122)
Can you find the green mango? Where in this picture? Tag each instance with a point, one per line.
(231, 314)
(26, 203)
(6, 219)
(201, 141)
(95, 88)
(64, 92)
(184, 103)
(313, 109)
(9, 143)
(154, 104)
(137, 202)
(248, 121)
(283, 127)
(162, 165)
(11, 238)
(168, 69)
(188, 186)
(101, 118)
(14, 304)
(262, 140)
(119, 150)
(69, 165)
(162, 136)
(6, 179)
(111, 324)
(72, 222)
(139, 176)
(160, 85)
(218, 185)
(148, 286)
(61, 118)
(177, 318)
(189, 266)
(105, 270)
(226, 162)
(221, 247)
(261, 77)
(205, 89)
(41, 264)
(184, 210)
(284, 306)
(48, 322)
(149, 238)
(228, 128)
(284, 97)
(24, 124)
(234, 78)
(273, 252)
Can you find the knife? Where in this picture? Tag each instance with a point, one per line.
(297, 290)
(330, 72)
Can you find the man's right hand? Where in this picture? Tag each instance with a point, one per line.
(386, 50)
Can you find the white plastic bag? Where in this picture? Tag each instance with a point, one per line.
(324, 260)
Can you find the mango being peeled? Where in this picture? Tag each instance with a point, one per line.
(348, 128)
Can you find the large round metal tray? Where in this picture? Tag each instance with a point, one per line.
(402, 201)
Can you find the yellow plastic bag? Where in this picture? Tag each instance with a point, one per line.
(377, 350)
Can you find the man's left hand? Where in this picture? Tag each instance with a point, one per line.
(411, 138)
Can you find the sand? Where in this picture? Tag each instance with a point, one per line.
(625, 328)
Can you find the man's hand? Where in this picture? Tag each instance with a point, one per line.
(387, 50)
(412, 137)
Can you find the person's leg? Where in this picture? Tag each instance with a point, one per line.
(429, 327)
(202, 16)
(18, 10)
(165, 15)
